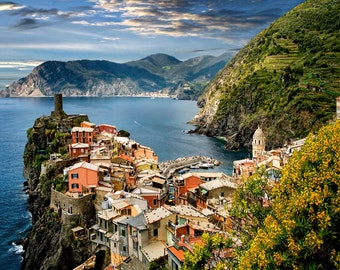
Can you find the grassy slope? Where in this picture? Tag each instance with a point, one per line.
(287, 77)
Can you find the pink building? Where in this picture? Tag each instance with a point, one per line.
(83, 177)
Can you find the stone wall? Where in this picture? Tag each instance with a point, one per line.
(71, 208)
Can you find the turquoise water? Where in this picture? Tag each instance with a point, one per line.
(158, 123)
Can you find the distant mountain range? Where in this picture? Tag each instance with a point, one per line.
(158, 73)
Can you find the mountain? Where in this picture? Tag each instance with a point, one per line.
(156, 73)
(285, 80)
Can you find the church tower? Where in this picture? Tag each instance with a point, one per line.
(259, 143)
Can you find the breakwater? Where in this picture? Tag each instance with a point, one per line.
(168, 168)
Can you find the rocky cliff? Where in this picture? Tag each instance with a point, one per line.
(157, 73)
(50, 244)
(285, 80)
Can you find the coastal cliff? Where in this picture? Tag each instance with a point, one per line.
(285, 79)
(50, 244)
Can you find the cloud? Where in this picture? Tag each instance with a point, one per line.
(26, 24)
(9, 6)
(180, 18)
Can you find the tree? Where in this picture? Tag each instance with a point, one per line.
(124, 133)
(207, 255)
(251, 205)
(302, 231)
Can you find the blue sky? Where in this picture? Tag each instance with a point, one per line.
(32, 32)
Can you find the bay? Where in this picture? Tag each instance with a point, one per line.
(159, 123)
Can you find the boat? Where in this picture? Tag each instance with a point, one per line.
(206, 165)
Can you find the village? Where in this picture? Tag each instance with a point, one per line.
(140, 210)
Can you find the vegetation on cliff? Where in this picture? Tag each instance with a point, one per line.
(301, 230)
(50, 244)
(286, 80)
(288, 224)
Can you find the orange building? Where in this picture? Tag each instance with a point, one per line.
(83, 177)
(87, 124)
(82, 135)
(145, 152)
(182, 184)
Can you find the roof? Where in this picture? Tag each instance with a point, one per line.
(154, 250)
(178, 253)
(80, 145)
(84, 164)
(218, 183)
(81, 129)
(146, 190)
(185, 210)
(156, 214)
(120, 204)
(258, 134)
(137, 222)
(77, 229)
(107, 214)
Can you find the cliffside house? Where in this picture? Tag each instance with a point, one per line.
(107, 128)
(80, 150)
(143, 152)
(184, 232)
(182, 183)
(87, 124)
(221, 189)
(154, 196)
(83, 177)
(82, 135)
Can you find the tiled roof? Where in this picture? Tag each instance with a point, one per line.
(81, 129)
(107, 214)
(80, 145)
(84, 164)
(211, 185)
(185, 210)
(178, 253)
(154, 250)
(156, 214)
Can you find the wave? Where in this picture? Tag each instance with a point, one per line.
(17, 249)
(137, 123)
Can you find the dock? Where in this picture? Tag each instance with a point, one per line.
(168, 168)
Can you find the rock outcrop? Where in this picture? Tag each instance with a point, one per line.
(50, 244)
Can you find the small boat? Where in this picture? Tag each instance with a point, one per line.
(206, 165)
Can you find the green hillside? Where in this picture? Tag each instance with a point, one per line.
(286, 79)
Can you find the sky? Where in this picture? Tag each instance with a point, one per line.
(35, 31)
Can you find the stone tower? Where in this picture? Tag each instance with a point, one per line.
(259, 142)
(58, 106)
(58, 103)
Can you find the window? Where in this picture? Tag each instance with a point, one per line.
(82, 150)
(154, 201)
(74, 176)
(123, 232)
(155, 232)
(75, 185)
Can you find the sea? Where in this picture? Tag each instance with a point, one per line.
(159, 123)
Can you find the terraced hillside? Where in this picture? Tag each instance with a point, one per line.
(286, 80)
